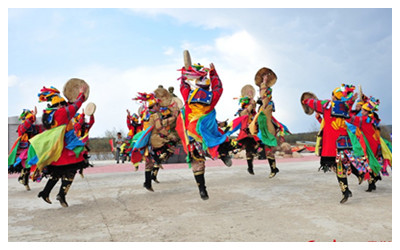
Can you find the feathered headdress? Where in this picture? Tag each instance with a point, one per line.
(50, 95)
(194, 72)
(372, 104)
(243, 100)
(26, 113)
(344, 92)
(135, 118)
(197, 73)
(147, 99)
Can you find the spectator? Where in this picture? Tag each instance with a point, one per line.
(118, 143)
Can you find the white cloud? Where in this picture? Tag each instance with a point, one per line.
(240, 50)
(237, 53)
(207, 18)
(169, 51)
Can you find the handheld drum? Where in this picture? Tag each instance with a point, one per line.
(90, 108)
(71, 89)
(307, 95)
(260, 74)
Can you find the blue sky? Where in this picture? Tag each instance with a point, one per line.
(120, 52)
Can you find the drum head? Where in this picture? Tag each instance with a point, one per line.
(307, 95)
(248, 90)
(71, 89)
(259, 77)
(90, 108)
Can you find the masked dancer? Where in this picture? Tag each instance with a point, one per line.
(19, 151)
(58, 152)
(336, 144)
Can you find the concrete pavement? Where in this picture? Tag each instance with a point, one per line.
(110, 205)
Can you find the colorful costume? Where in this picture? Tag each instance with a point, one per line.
(152, 139)
(134, 126)
(264, 125)
(197, 125)
(337, 146)
(371, 142)
(19, 151)
(169, 111)
(82, 128)
(245, 139)
(57, 152)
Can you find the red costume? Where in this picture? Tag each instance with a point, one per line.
(333, 128)
(63, 116)
(337, 151)
(60, 113)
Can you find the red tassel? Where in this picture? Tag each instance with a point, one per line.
(367, 176)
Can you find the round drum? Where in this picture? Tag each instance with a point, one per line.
(248, 90)
(307, 95)
(271, 78)
(90, 108)
(71, 89)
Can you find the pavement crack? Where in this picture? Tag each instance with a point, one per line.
(99, 210)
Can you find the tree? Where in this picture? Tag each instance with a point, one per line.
(113, 133)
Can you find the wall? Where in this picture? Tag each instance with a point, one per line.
(13, 123)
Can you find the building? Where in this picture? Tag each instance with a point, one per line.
(13, 123)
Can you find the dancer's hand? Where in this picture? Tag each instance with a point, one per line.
(355, 96)
(265, 78)
(82, 89)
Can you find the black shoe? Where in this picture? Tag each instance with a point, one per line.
(61, 199)
(204, 194)
(371, 187)
(346, 196)
(227, 160)
(154, 178)
(250, 170)
(273, 173)
(148, 187)
(21, 180)
(154, 174)
(45, 198)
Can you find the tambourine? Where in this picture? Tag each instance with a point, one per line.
(90, 108)
(271, 78)
(249, 91)
(71, 89)
(306, 108)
